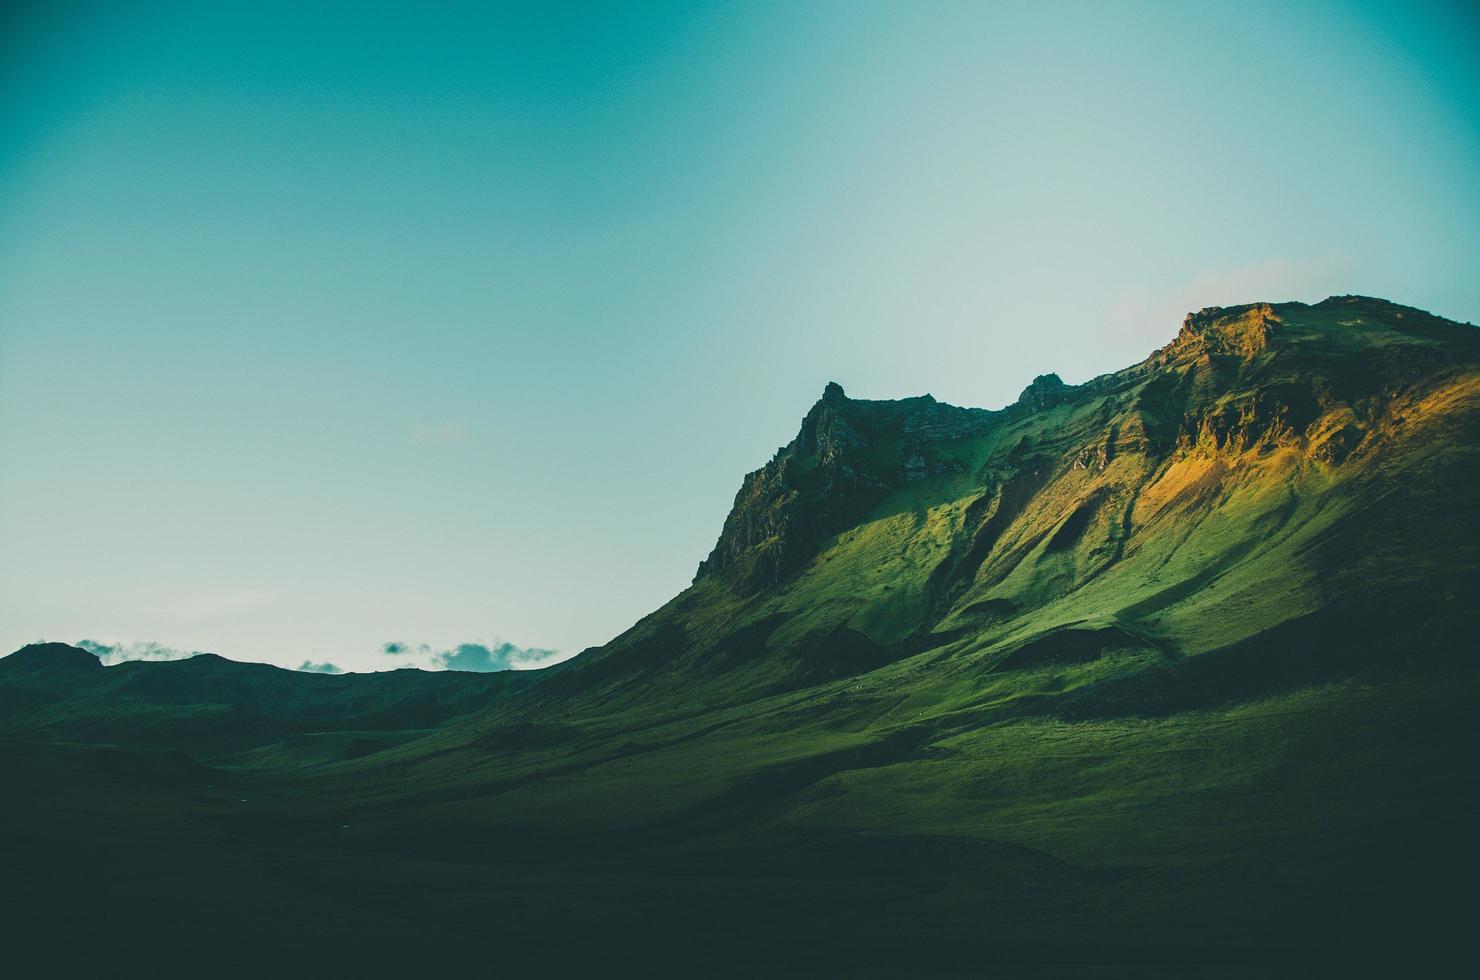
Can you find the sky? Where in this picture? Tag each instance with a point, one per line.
(328, 330)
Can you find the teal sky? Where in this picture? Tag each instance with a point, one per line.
(325, 326)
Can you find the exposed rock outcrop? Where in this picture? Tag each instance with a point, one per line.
(848, 456)
(1236, 380)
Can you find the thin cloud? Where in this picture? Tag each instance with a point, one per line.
(117, 653)
(480, 658)
(1144, 318)
(320, 667)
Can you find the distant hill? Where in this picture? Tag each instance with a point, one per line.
(1170, 673)
(208, 705)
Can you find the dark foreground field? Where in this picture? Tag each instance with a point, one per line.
(1321, 833)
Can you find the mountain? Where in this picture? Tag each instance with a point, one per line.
(1276, 471)
(1170, 673)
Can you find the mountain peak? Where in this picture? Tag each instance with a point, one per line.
(1045, 391)
(50, 658)
(1240, 330)
(848, 455)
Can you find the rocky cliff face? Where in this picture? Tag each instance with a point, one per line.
(847, 457)
(1234, 380)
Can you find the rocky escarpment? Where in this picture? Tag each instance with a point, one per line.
(1259, 377)
(848, 456)
(1046, 391)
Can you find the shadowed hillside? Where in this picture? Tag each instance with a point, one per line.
(1165, 674)
(208, 705)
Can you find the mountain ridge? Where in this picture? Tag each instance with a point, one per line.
(994, 512)
(1262, 418)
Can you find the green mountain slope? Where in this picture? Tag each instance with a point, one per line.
(1271, 464)
(1166, 674)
